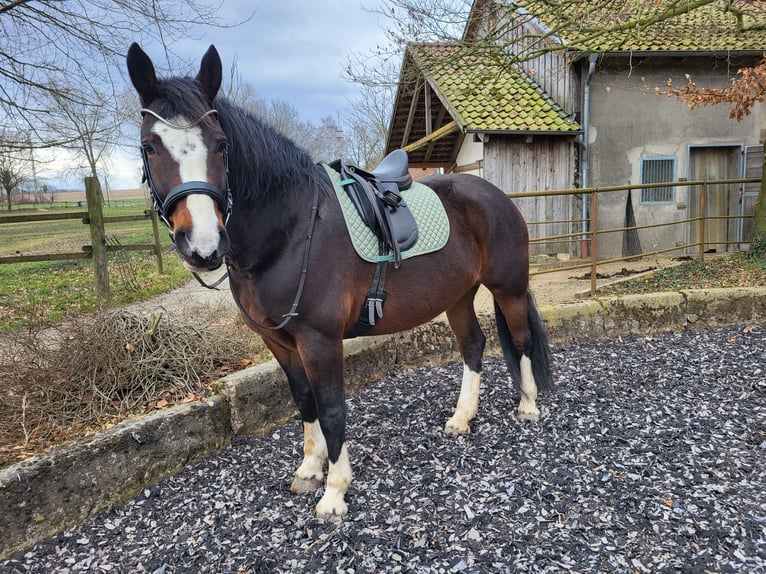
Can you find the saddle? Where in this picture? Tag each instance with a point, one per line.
(378, 199)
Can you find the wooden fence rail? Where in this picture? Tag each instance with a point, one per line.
(98, 250)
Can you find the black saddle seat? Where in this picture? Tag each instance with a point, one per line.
(377, 196)
(394, 168)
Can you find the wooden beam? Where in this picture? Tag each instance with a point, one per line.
(429, 121)
(411, 114)
(42, 217)
(439, 120)
(478, 164)
(443, 131)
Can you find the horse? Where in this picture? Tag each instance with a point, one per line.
(235, 192)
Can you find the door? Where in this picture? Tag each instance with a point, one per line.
(721, 200)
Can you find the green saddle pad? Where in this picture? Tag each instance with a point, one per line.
(425, 206)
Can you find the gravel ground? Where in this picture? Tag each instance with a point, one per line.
(650, 457)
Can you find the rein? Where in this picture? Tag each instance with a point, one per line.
(301, 283)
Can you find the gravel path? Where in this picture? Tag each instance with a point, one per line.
(651, 457)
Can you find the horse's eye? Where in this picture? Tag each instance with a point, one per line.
(221, 147)
(149, 148)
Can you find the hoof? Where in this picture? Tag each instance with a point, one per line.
(331, 507)
(529, 415)
(454, 427)
(305, 485)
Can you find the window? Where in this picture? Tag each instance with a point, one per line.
(658, 170)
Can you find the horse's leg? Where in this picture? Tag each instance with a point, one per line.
(470, 340)
(309, 475)
(511, 313)
(323, 361)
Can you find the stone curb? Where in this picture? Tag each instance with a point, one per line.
(47, 494)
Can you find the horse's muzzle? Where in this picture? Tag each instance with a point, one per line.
(197, 259)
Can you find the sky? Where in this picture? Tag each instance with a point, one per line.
(295, 50)
(290, 50)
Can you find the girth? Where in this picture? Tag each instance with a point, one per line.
(378, 200)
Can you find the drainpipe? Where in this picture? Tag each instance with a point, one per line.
(586, 148)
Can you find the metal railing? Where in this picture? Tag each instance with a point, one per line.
(590, 235)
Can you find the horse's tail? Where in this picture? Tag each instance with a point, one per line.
(537, 346)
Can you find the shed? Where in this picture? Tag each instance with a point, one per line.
(541, 96)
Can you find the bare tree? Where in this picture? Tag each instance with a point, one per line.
(329, 141)
(367, 120)
(285, 118)
(13, 173)
(486, 25)
(746, 89)
(408, 21)
(88, 130)
(51, 49)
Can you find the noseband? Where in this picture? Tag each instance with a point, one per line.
(163, 208)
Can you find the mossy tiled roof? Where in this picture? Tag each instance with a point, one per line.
(653, 25)
(484, 93)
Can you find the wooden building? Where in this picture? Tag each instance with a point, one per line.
(537, 100)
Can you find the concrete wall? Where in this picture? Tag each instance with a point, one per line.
(629, 121)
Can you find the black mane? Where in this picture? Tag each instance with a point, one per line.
(263, 164)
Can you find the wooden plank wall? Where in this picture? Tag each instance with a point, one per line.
(545, 163)
(542, 58)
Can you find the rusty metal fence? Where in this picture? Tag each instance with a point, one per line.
(588, 238)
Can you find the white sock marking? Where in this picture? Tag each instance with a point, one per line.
(314, 453)
(332, 503)
(467, 403)
(527, 407)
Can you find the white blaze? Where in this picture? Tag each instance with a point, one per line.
(187, 148)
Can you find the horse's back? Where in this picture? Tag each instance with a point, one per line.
(482, 205)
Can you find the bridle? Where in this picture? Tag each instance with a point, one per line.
(226, 204)
(163, 207)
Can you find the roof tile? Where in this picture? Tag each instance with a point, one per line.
(486, 93)
(634, 25)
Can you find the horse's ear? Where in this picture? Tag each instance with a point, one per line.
(142, 74)
(210, 73)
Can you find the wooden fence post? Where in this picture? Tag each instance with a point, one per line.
(157, 245)
(703, 214)
(593, 242)
(97, 236)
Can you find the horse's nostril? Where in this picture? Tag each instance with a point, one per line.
(181, 242)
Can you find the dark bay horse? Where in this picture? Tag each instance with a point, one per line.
(232, 190)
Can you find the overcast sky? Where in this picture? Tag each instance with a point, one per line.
(290, 50)
(294, 50)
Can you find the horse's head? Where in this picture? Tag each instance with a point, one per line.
(185, 157)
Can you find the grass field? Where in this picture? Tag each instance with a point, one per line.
(35, 294)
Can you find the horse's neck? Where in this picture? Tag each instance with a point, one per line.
(263, 225)
(272, 188)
